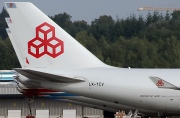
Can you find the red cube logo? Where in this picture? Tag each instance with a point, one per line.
(36, 47)
(45, 42)
(55, 47)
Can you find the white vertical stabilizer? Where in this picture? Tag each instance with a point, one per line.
(43, 42)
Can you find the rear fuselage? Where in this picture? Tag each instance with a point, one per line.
(130, 87)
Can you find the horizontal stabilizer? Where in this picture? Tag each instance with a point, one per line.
(37, 75)
(160, 83)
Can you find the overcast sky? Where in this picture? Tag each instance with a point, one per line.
(89, 10)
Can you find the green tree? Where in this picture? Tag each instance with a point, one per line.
(79, 26)
(103, 26)
(63, 20)
(3, 24)
(88, 41)
(8, 58)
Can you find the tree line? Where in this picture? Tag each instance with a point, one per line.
(136, 41)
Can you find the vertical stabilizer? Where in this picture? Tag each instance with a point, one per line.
(43, 42)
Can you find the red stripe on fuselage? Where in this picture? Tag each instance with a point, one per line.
(36, 92)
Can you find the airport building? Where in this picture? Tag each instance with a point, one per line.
(14, 105)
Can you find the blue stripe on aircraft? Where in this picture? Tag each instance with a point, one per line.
(61, 94)
(52, 97)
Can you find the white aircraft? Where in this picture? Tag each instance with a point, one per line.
(58, 95)
(55, 60)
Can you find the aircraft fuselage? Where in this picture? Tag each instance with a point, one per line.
(130, 87)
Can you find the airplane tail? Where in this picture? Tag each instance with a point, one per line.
(39, 42)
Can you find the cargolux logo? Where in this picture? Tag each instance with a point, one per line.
(160, 83)
(45, 42)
